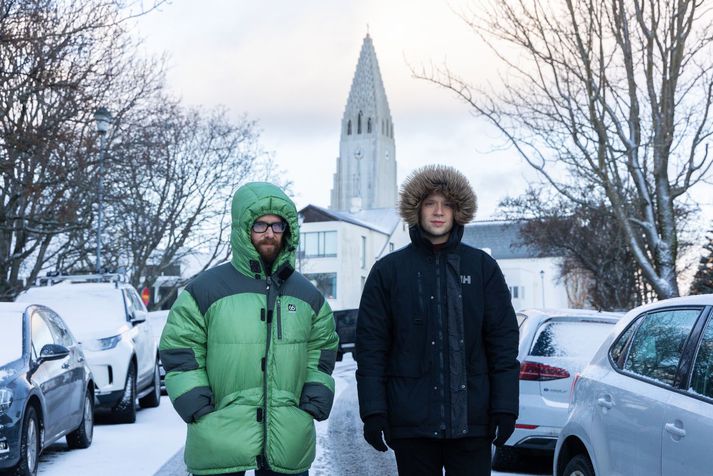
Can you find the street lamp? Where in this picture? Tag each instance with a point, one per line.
(103, 121)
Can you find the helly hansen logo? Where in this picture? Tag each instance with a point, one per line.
(465, 279)
(291, 308)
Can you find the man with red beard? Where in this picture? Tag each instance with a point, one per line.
(249, 348)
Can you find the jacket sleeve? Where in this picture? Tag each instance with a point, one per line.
(373, 339)
(501, 335)
(183, 353)
(318, 390)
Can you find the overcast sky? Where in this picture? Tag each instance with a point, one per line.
(289, 64)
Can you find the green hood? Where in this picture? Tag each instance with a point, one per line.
(250, 202)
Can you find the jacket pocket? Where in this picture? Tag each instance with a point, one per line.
(478, 398)
(230, 437)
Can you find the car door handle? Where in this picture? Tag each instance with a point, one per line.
(605, 402)
(675, 430)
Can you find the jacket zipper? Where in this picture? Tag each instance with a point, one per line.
(441, 374)
(279, 318)
(264, 380)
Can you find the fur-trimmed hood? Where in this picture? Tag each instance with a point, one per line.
(437, 178)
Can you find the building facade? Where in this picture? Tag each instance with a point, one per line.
(366, 167)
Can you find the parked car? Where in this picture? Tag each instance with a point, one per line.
(157, 321)
(644, 405)
(345, 321)
(554, 345)
(109, 320)
(46, 387)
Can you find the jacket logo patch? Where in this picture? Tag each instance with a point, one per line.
(291, 308)
(465, 279)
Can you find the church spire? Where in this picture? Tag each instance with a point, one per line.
(366, 166)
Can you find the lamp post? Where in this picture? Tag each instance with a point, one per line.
(542, 284)
(103, 120)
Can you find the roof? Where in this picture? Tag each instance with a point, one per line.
(382, 220)
(502, 238)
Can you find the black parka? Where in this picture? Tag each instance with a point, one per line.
(437, 340)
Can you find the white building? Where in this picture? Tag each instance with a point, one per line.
(532, 279)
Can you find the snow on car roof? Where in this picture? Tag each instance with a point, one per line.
(89, 309)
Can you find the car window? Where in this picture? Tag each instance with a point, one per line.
(657, 345)
(137, 303)
(59, 330)
(560, 338)
(41, 334)
(620, 345)
(702, 379)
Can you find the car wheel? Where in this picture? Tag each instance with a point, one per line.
(82, 436)
(153, 399)
(580, 465)
(125, 410)
(29, 445)
(505, 458)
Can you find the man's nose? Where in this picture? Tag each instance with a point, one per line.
(438, 209)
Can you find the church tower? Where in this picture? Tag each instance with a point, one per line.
(366, 166)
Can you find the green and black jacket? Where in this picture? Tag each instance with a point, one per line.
(249, 355)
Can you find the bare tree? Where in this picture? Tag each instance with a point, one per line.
(171, 181)
(703, 280)
(591, 242)
(612, 97)
(58, 61)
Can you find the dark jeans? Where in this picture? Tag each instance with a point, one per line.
(428, 456)
(265, 472)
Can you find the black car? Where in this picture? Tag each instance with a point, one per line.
(46, 387)
(346, 329)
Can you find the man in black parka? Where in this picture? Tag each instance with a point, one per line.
(437, 339)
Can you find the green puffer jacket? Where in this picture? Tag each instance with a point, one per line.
(249, 356)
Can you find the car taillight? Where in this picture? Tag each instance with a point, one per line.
(572, 388)
(541, 372)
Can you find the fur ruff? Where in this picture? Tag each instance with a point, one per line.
(437, 178)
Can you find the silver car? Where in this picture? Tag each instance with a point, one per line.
(554, 345)
(644, 405)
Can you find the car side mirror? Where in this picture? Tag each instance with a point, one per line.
(52, 352)
(137, 317)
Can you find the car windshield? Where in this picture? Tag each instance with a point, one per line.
(10, 337)
(564, 338)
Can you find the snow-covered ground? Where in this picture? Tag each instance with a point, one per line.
(134, 449)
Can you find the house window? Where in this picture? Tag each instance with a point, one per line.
(391, 247)
(318, 244)
(349, 127)
(368, 126)
(359, 123)
(362, 252)
(326, 283)
(517, 292)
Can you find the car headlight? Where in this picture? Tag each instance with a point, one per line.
(5, 399)
(102, 344)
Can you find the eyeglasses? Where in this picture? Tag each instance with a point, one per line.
(262, 226)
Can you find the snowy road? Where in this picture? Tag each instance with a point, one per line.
(137, 449)
(152, 446)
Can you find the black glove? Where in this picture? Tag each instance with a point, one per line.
(374, 426)
(501, 427)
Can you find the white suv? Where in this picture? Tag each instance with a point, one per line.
(109, 320)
